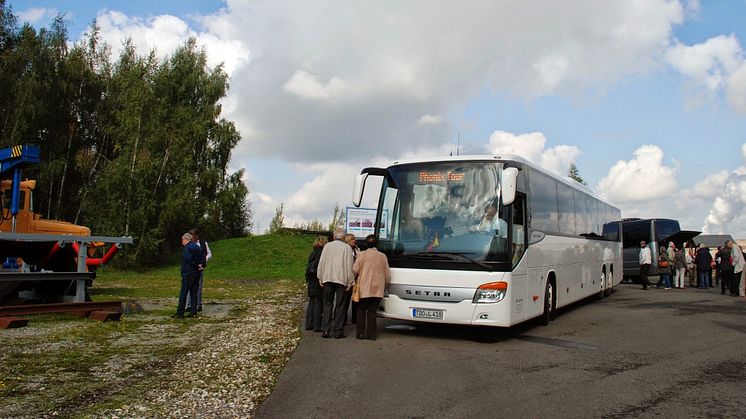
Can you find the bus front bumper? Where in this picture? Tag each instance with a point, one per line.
(464, 312)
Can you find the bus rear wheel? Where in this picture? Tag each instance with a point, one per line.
(549, 304)
(609, 284)
(601, 294)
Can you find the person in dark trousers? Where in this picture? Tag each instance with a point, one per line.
(736, 266)
(191, 256)
(350, 240)
(664, 268)
(335, 276)
(645, 261)
(661, 246)
(206, 256)
(315, 292)
(718, 274)
(726, 267)
(372, 268)
(703, 263)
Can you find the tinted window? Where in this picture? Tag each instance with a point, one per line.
(665, 228)
(611, 231)
(519, 229)
(566, 209)
(592, 205)
(543, 203)
(635, 232)
(581, 214)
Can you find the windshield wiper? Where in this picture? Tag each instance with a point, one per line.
(450, 256)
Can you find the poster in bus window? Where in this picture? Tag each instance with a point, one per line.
(359, 221)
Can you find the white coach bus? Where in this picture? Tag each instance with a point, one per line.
(490, 240)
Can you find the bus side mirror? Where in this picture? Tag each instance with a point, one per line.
(357, 190)
(508, 185)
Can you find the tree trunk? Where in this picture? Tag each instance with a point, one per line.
(49, 199)
(132, 175)
(86, 186)
(71, 130)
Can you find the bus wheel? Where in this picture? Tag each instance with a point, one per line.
(549, 304)
(601, 294)
(609, 282)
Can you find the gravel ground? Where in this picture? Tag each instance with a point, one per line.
(233, 372)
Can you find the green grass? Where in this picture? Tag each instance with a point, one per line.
(238, 266)
(55, 363)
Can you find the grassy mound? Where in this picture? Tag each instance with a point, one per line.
(237, 266)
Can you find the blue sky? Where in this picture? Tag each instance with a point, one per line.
(320, 89)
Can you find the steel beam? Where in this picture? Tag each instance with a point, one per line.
(26, 309)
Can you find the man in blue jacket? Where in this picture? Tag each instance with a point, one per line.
(191, 256)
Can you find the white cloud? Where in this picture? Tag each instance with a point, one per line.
(708, 64)
(263, 207)
(558, 158)
(640, 180)
(532, 146)
(736, 89)
(331, 185)
(728, 211)
(366, 74)
(399, 71)
(717, 66)
(709, 187)
(316, 195)
(644, 187)
(164, 34)
(306, 86)
(430, 120)
(350, 81)
(35, 15)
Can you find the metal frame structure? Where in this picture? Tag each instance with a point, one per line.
(79, 277)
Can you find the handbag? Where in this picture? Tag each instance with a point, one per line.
(356, 293)
(663, 263)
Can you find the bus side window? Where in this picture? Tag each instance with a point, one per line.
(519, 227)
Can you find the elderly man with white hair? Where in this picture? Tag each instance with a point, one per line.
(335, 276)
(191, 266)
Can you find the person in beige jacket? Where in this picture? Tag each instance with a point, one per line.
(372, 269)
(335, 276)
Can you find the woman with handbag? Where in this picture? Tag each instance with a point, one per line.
(372, 269)
(664, 268)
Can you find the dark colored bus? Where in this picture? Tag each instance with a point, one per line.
(655, 232)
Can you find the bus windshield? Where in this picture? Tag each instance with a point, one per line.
(444, 212)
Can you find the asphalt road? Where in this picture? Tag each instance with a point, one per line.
(655, 353)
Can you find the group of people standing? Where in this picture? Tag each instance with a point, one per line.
(195, 253)
(338, 275)
(728, 263)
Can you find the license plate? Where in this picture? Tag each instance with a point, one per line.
(423, 313)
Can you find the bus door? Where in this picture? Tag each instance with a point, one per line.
(519, 275)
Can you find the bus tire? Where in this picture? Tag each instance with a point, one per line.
(602, 293)
(609, 284)
(550, 304)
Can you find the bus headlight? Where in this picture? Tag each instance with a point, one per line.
(492, 292)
